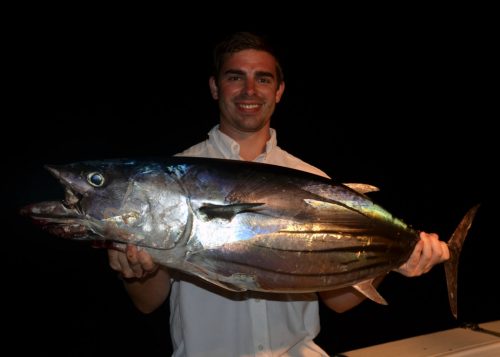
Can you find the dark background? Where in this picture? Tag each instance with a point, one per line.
(403, 101)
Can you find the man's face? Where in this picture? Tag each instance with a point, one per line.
(247, 90)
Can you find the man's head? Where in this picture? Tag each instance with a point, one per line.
(243, 41)
(247, 84)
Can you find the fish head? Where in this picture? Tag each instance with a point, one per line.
(118, 201)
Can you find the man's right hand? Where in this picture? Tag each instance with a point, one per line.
(132, 263)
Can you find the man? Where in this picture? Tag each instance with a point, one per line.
(248, 83)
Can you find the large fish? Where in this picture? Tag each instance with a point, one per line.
(239, 225)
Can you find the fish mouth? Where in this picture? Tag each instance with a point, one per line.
(61, 218)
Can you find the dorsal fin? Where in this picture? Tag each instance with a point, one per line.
(367, 289)
(212, 211)
(362, 187)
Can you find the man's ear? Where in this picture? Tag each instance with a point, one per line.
(214, 90)
(280, 91)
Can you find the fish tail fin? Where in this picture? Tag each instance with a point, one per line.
(451, 265)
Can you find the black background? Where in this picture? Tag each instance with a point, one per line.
(403, 101)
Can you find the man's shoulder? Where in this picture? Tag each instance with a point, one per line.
(197, 150)
(284, 158)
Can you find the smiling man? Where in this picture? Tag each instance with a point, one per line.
(247, 84)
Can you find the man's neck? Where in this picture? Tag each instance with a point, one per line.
(252, 144)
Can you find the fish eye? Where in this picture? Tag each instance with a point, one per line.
(95, 179)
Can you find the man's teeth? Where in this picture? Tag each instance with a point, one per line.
(249, 106)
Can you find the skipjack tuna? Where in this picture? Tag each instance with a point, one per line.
(239, 225)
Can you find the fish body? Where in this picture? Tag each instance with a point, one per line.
(236, 224)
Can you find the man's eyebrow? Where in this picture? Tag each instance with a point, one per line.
(264, 74)
(243, 73)
(234, 71)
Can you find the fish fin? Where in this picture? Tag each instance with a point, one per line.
(367, 289)
(202, 273)
(451, 265)
(362, 187)
(225, 285)
(320, 204)
(212, 211)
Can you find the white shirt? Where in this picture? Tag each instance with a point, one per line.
(205, 321)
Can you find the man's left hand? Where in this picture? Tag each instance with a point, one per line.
(428, 252)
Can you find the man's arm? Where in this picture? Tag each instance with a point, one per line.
(428, 252)
(146, 283)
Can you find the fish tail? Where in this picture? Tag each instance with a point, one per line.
(451, 265)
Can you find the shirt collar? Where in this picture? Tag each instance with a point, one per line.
(231, 149)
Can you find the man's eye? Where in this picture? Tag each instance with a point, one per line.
(233, 78)
(265, 80)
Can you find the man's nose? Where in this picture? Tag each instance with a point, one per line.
(249, 87)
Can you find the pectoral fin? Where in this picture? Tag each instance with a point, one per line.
(367, 289)
(212, 278)
(225, 285)
(227, 211)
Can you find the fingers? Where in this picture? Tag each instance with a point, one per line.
(410, 267)
(435, 251)
(146, 262)
(118, 261)
(113, 259)
(132, 263)
(428, 252)
(427, 255)
(413, 263)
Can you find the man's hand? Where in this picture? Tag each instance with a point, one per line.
(132, 263)
(428, 252)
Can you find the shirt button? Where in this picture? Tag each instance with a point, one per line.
(260, 347)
